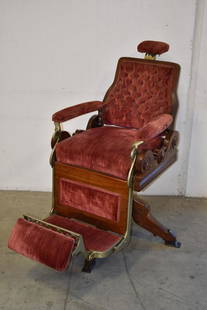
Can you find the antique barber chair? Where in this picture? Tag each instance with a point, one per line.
(126, 145)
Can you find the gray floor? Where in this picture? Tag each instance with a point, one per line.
(147, 275)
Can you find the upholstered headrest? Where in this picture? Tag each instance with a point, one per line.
(153, 47)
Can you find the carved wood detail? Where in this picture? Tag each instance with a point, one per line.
(77, 132)
(59, 136)
(95, 121)
(152, 163)
(145, 162)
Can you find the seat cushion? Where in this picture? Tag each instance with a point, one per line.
(104, 149)
(95, 239)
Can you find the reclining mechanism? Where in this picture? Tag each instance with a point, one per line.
(97, 171)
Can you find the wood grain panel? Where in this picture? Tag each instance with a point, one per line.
(99, 180)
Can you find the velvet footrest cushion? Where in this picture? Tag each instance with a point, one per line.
(41, 244)
(95, 239)
(107, 149)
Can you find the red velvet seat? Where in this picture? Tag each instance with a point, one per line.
(107, 149)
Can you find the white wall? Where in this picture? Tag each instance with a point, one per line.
(197, 166)
(57, 53)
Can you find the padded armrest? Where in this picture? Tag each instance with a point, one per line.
(155, 127)
(76, 110)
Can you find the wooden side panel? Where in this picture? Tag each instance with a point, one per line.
(98, 180)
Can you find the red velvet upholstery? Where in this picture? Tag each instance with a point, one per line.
(152, 144)
(95, 239)
(52, 248)
(107, 149)
(156, 126)
(153, 47)
(41, 244)
(138, 105)
(142, 90)
(90, 199)
(76, 110)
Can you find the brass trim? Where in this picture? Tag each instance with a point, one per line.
(150, 57)
(102, 254)
(33, 219)
(58, 126)
(126, 237)
(51, 156)
(58, 129)
(133, 156)
(53, 192)
(130, 178)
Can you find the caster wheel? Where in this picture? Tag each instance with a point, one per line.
(175, 244)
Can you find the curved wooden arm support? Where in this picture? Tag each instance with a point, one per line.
(95, 121)
(58, 136)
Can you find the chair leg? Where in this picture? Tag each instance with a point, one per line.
(88, 265)
(143, 217)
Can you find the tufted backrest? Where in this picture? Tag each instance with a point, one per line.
(142, 90)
